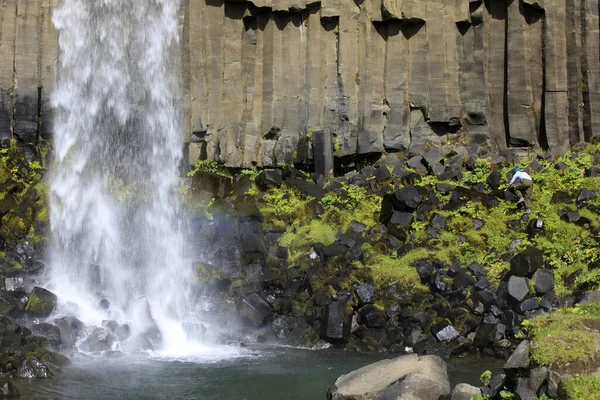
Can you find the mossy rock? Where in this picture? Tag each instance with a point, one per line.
(41, 302)
(13, 227)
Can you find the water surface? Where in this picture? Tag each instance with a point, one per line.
(253, 374)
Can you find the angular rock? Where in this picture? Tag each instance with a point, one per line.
(438, 222)
(41, 302)
(591, 297)
(70, 328)
(529, 305)
(382, 173)
(464, 391)
(405, 377)
(407, 198)
(525, 263)
(336, 321)
(543, 281)
(446, 333)
(269, 179)
(255, 309)
(416, 163)
(99, 340)
(518, 362)
(307, 188)
(584, 196)
(403, 219)
(371, 316)
(48, 331)
(517, 288)
(494, 179)
(365, 293)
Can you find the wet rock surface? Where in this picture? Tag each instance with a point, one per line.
(410, 376)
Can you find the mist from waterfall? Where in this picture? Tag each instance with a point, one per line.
(117, 151)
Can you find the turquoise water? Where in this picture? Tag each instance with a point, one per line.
(253, 374)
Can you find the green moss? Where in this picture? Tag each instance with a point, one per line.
(208, 166)
(582, 388)
(205, 274)
(37, 305)
(387, 270)
(562, 337)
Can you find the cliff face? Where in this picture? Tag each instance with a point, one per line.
(389, 74)
(260, 77)
(28, 55)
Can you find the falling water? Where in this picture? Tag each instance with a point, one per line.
(114, 202)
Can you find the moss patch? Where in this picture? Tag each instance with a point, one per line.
(582, 388)
(564, 341)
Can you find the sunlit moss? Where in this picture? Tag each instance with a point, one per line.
(561, 338)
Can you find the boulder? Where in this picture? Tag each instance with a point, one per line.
(372, 316)
(33, 368)
(8, 390)
(9, 304)
(526, 262)
(494, 179)
(543, 281)
(445, 333)
(336, 321)
(382, 173)
(407, 198)
(306, 188)
(255, 309)
(517, 288)
(403, 219)
(416, 163)
(518, 362)
(464, 391)
(365, 293)
(99, 340)
(48, 331)
(406, 377)
(41, 302)
(269, 179)
(584, 196)
(591, 297)
(69, 328)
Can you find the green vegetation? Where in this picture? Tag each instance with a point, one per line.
(387, 270)
(582, 388)
(208, 166)
(563, 338)
(23, 195)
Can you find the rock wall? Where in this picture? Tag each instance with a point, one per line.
(28, 59)
(260, 77)
(388, 74)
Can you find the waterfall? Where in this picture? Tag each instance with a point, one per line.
(117, 151)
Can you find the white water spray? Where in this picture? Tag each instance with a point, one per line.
(114, 202)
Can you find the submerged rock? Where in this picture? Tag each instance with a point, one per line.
(407, 377)
(8, 390)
